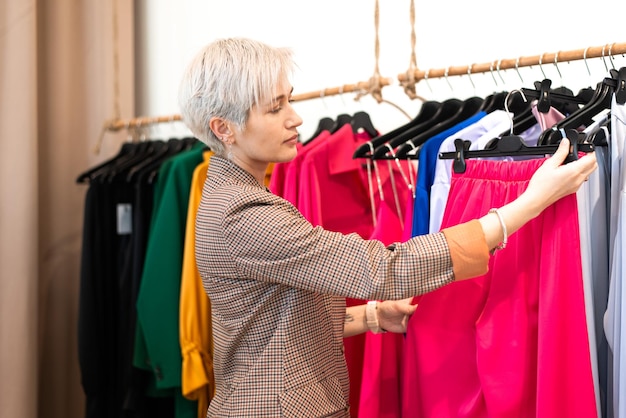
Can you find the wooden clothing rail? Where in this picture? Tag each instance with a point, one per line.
(604, 52)
(138, 122)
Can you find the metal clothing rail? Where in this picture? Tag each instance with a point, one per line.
(605, 51)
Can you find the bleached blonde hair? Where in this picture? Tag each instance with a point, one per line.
(226, 79)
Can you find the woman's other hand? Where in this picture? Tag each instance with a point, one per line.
(393, 315)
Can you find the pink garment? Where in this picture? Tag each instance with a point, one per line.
(511, 343)
(407, 231)
(284, 180)
(278, 177)
(292, 177)
(548, 119)
(383, 353)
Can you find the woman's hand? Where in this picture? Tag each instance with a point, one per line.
(393, 315)
(554, 180)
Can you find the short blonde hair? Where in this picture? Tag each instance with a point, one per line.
(226, 79)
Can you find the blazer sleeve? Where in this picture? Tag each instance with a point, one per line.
(267, 239)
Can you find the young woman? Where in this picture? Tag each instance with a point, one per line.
(277, 284)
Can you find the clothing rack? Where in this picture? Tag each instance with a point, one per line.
(604, 51)
(138, 122)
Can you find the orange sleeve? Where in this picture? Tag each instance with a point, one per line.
(468, 250)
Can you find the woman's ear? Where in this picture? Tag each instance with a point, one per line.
(220, 128)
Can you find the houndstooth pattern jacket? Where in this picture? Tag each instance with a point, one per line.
(278, 286)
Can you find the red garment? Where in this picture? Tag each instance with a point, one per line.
(383, 353)
(511, 343)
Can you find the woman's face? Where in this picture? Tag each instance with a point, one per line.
(270, 134)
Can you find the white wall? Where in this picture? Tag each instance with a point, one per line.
(334, 43)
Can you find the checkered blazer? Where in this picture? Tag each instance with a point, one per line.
(277, 287)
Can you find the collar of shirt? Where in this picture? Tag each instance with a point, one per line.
(341, 146)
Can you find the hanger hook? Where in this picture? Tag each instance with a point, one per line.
(343, 101)
(585, 59)
(426, 80)
(517, 69)
(493, 76)
(445, 74)
(611, 56)
(469, 75)
(158, 128)
(129, 137)
(498, 70)
(145, 129)
(322, 95)
(603, 60)
(506, 104)
(556, 57)
(541, 66)
(172, 123)
(138, 130)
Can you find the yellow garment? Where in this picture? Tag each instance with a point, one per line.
(196, 330)
(268, 174)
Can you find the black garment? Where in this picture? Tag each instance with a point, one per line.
(117, 217)
(98, 305)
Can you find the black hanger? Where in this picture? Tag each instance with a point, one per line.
(542, 91)
(341, 120)
(447, 110)
(324, 124)
(189, 142)
(361, 121)
(469, 107)
(584, 116)
(137, 149)
(494, 101)
(144, 149)
(487, 102)
(620, 88)
(513, 145)
(560, 98)
(428, 112)
(601, 136)
(518, 105)
(570, 104)
(152, 163)
(127, 149)
(161, 151)
(522, 119)
(522, 116)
